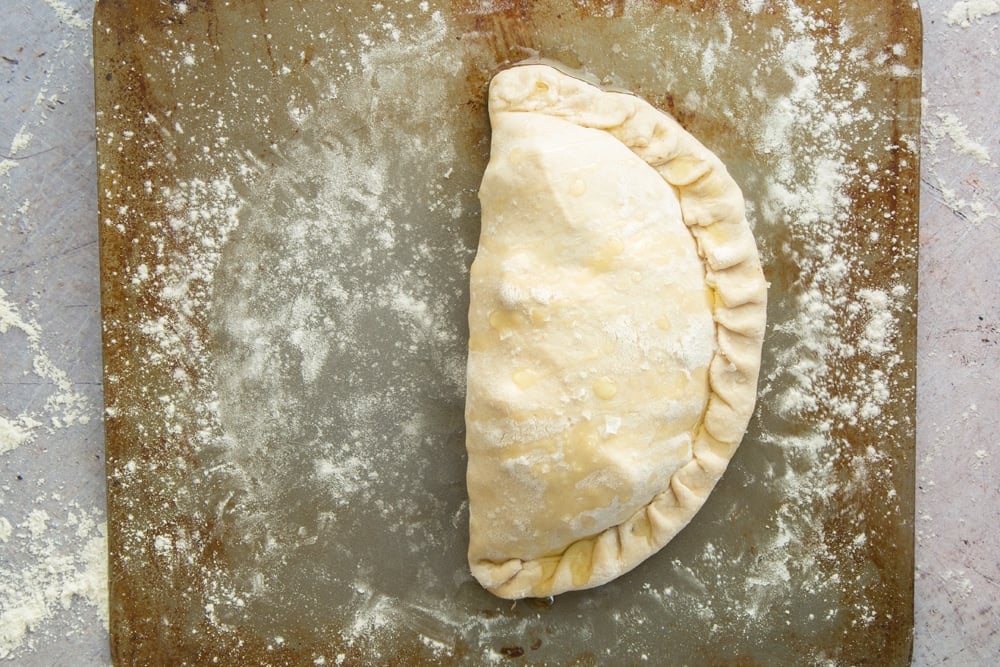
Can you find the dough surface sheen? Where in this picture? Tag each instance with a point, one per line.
(616, 317)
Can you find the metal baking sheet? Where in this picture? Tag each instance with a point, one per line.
(288, 212)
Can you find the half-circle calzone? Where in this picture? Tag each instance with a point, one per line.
(616, 316)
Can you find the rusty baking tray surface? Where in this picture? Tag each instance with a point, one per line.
(288, 213)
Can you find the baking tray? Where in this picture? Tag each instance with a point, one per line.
(288, 212)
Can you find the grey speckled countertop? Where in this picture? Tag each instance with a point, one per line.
(52, 610)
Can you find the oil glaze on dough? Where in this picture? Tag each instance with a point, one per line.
(616, 317)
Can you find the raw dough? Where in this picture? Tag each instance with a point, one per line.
(616, 318)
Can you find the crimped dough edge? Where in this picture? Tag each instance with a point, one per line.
(712, 207)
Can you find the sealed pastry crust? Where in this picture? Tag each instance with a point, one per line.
(616, 317)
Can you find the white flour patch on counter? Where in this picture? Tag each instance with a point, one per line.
(949, 126)
(18, 143)
(59, 560)
(966, 12)
(15, 433)
(63, 404)
(965, 200)
(68, 15)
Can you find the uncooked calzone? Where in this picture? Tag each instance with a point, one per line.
(616, 318)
